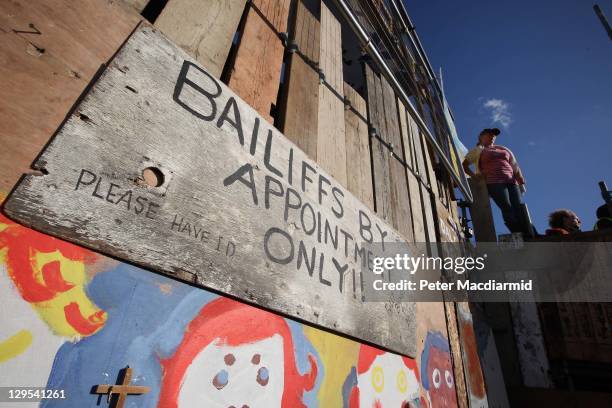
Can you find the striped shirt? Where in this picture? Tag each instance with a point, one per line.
(496, 164)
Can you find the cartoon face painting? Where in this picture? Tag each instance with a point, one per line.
(235, 355)
(44, 302)
(384, 380)
(437, 371)
(249, 375)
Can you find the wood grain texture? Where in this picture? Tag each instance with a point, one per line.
(426, 198)
(418, 161)
(429, 162)
(481, 212)
(255, 75)
(424, 186)
(414, 189)
(300, 113)
(137, 5)
(331, 50)
(380, 153)
(203, 28)
(42, 75)
(331, 149)
(306, 33)
(400, 199)
(275, 12)
(358, 167)
(455, 350)
(240, 209)
(449, 229)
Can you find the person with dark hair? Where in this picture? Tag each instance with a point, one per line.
(563, 222)
(604, 218)
(500, 170)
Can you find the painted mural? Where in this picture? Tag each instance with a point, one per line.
(72, 319)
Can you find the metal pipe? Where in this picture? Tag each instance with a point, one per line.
(371, 49)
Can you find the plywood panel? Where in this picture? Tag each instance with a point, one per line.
(241, 222)
(299, 119)
(255, 75)
(203, 28)
(358, 168)
(46, 66)
(380, 153)
(331, 150)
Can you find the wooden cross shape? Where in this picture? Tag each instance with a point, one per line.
(116, 394)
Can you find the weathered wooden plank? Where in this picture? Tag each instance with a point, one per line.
(77, 36)
(331, 149)
(481, 212)
(416, 201)
(43, 74)
(426, 200)
(430, 205)
(418, 162)
(400, 200)
(430, 216)
(237, 207)
(300, 115)
(137, 5)
(429, 160)
(455, 349)
(255, 75)
(358, 168)
(474, 379)
(306, 33)
(275, 12)
(448, 228)
(331, 50)
(392, 135)
(380, 153)
(203, 28)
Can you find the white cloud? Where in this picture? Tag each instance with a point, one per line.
(500, 111)
(531, 143)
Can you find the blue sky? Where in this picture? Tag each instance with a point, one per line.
(540, 71)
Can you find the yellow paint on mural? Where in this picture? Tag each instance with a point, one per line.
(402, 382)
(378, 379)
(3, 252)
(15, 345)
(52, 279)
(338, 355)
(52, 312)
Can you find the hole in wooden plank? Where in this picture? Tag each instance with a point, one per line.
(153, 176)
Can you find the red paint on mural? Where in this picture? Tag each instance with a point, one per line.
(475, 378)
(84, 325)
(43, 281)
(231, 323)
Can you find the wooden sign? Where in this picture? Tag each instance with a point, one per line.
(162, 165)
